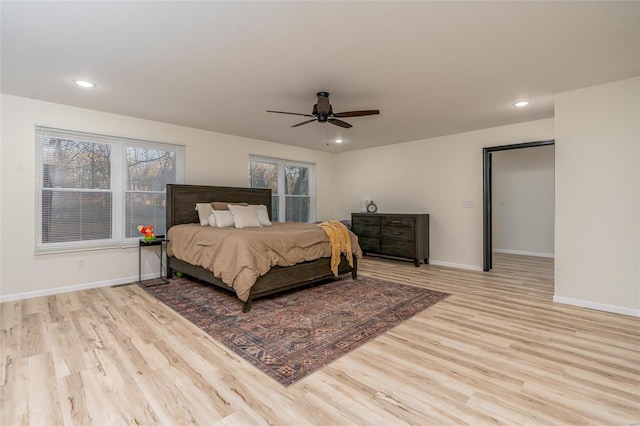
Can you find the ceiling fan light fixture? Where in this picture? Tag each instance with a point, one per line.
(521, 104)
(85, 83)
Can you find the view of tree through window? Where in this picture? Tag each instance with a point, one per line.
(148, 172)
(297, 193)
(100, 188)
(290, 184)
(265, 175)
(76, 196)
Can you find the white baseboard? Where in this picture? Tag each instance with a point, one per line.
(455, 265)
(524, 253)
(68, 289)
(597, 306)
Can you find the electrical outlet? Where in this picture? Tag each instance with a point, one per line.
(81, 264)
(467, 204)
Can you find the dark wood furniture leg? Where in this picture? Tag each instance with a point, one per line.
(354, 272)
(246, 306)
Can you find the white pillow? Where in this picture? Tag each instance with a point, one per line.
(245, 216)
(224, 218)
(212, 219)
(263, 215)
(204, 210)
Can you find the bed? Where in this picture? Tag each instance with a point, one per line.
(181, 200)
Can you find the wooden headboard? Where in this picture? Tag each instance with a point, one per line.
(182, 199)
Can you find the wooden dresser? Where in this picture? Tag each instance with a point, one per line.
(393, 234)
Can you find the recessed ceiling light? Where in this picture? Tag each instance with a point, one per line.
(84, 83)
(521, 104)
(338, 140)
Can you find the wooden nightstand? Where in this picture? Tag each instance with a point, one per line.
(147, 243)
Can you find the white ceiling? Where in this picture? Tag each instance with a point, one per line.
(431, 68)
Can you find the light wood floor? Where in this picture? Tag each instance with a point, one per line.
(497, 351)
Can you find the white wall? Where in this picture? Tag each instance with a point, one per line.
(523, 201)
(211, 159)
(433, 176)
(1, 145)
(598, 196)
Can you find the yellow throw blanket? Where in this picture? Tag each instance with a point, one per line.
(340, 242)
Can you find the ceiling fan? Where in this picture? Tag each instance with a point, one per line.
(323, 113)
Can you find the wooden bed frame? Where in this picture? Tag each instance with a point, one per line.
(181, 202)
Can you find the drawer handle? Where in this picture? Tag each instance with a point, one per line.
(395, 233)
(394, 221)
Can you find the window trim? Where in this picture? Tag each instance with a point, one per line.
(118, 188)
(281, 162)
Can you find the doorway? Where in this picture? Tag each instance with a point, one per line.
(487, 195)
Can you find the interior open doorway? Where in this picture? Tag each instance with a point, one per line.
(488, 195)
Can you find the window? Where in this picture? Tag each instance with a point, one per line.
(94, 190)
(292, 187)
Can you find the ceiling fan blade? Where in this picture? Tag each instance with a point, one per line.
(304, 122)
(292, 113)
(339, 123)
(357, 113)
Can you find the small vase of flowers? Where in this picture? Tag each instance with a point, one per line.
(147, 232)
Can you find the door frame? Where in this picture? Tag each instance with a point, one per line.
(487, 226)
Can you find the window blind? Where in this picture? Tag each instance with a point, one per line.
(93, 190)
(292, 187)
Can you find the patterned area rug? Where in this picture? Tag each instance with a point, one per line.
(291, 335)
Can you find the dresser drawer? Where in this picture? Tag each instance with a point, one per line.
(368, 244)
(397, 233)
(398, 248)
(398, 221)
(366, 226)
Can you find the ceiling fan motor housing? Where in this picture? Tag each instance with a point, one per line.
(323, 116)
